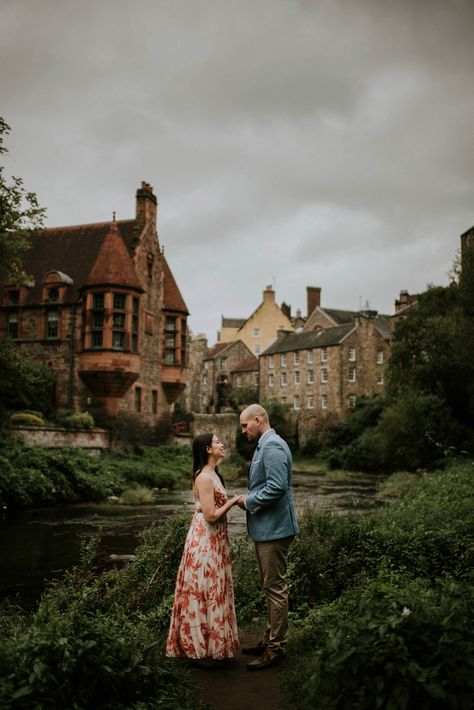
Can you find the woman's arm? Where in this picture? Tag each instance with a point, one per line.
(205, 492)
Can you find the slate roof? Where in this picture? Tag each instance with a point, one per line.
(212, 352)
(74, 250)
(340, 316)
(310, 339)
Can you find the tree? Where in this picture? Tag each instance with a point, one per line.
(20, 216)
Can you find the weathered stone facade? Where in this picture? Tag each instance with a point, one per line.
(103, 311)
(321, 373)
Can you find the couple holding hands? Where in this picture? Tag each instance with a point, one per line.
(203, 624)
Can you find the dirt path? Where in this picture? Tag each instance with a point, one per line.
(235, 688)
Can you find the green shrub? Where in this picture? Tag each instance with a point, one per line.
(75, 420)
(97, 640)
(137, 495)
(389, 643)
(26, 419)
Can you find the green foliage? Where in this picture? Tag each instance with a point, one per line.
(390, 643)
(32, 476)
(24, 384)
(359, 647)
(137, 495)
(20, 216)
(26, 419)
(74, 420)
(397, 484)
(97, 640)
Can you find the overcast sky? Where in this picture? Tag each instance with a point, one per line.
(321, 143)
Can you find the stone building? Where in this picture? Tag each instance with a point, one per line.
(213, 373)
(104, 312)
(320, 373)
(261, 328)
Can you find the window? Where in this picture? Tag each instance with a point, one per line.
(352, 374)
(283, 380)
(380, 378)
(238, 380)
(283, 399)
(257, 349)
(206, 365)
(296, 376)
(310, 402)
(154, 402)
(379, 357)
(271, 379)
(283, 360)
(256, 332)
(13, 324)
(296, 358)
(170, 340)
(352, 354)
(296, 401)
(324, 401)
(52, 324)
(352, 401)
(324, 375)
(97, 321)
(184, 341)
(324, 354)
(309, 357)
(53, 295)
(138, 399)
(271, 362)
(310, 377)
(118, 321)
(135, 321)
(223, 363)
(204, 378)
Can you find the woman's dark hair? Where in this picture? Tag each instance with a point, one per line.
(200, 454)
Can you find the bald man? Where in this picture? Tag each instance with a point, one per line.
(271, 523)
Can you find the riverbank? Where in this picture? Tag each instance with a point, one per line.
(380, 614)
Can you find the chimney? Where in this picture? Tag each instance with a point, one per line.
(269, 295)
(146, 205)
(313, 298)
(286, 309)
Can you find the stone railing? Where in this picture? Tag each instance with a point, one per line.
(90, 440)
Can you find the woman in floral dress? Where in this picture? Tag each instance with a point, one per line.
(203, 623)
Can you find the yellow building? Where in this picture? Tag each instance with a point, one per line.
(261, 329)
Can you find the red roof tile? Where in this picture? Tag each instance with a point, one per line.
(113, 265)
(172, 298)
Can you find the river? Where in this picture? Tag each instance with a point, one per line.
(39, 545)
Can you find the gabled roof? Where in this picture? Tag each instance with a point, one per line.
(340, 316)
(248, 365)
(113, 265)
(172, 298)
(212, 352)
(310, 339)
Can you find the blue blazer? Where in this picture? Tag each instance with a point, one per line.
(270, 510)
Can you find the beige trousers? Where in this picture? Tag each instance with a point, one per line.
(271, 558)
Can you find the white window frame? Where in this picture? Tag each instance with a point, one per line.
(379, 357)
(271, 379)
(310, 357)
(324, 375)
(380, 378)
(271, 362)
(324, 401)
(296, 377)
(283, 359)
(283, 379)
(310, 402)
(310, 379)
(352, 354)
(296, 401)
(352, 401)
(324, 354)
(296, 358)
(352, 374)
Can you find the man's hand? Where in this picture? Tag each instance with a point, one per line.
(241, 502)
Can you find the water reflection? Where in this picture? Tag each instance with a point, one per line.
(37, 546)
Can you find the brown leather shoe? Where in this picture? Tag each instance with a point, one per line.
(266, 660)
(254, 650)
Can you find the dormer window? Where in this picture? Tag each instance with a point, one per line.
(53, 295)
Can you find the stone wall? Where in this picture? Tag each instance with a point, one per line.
(224, 425)
(91, 440)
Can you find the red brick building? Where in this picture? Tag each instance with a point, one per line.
(104, 312)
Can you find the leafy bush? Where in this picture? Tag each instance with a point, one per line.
(75, 420)
(24, 383)
(137, 495)
(388, 643)
(98, 640)
(26, 419)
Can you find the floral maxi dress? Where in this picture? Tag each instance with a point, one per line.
(203, 622)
